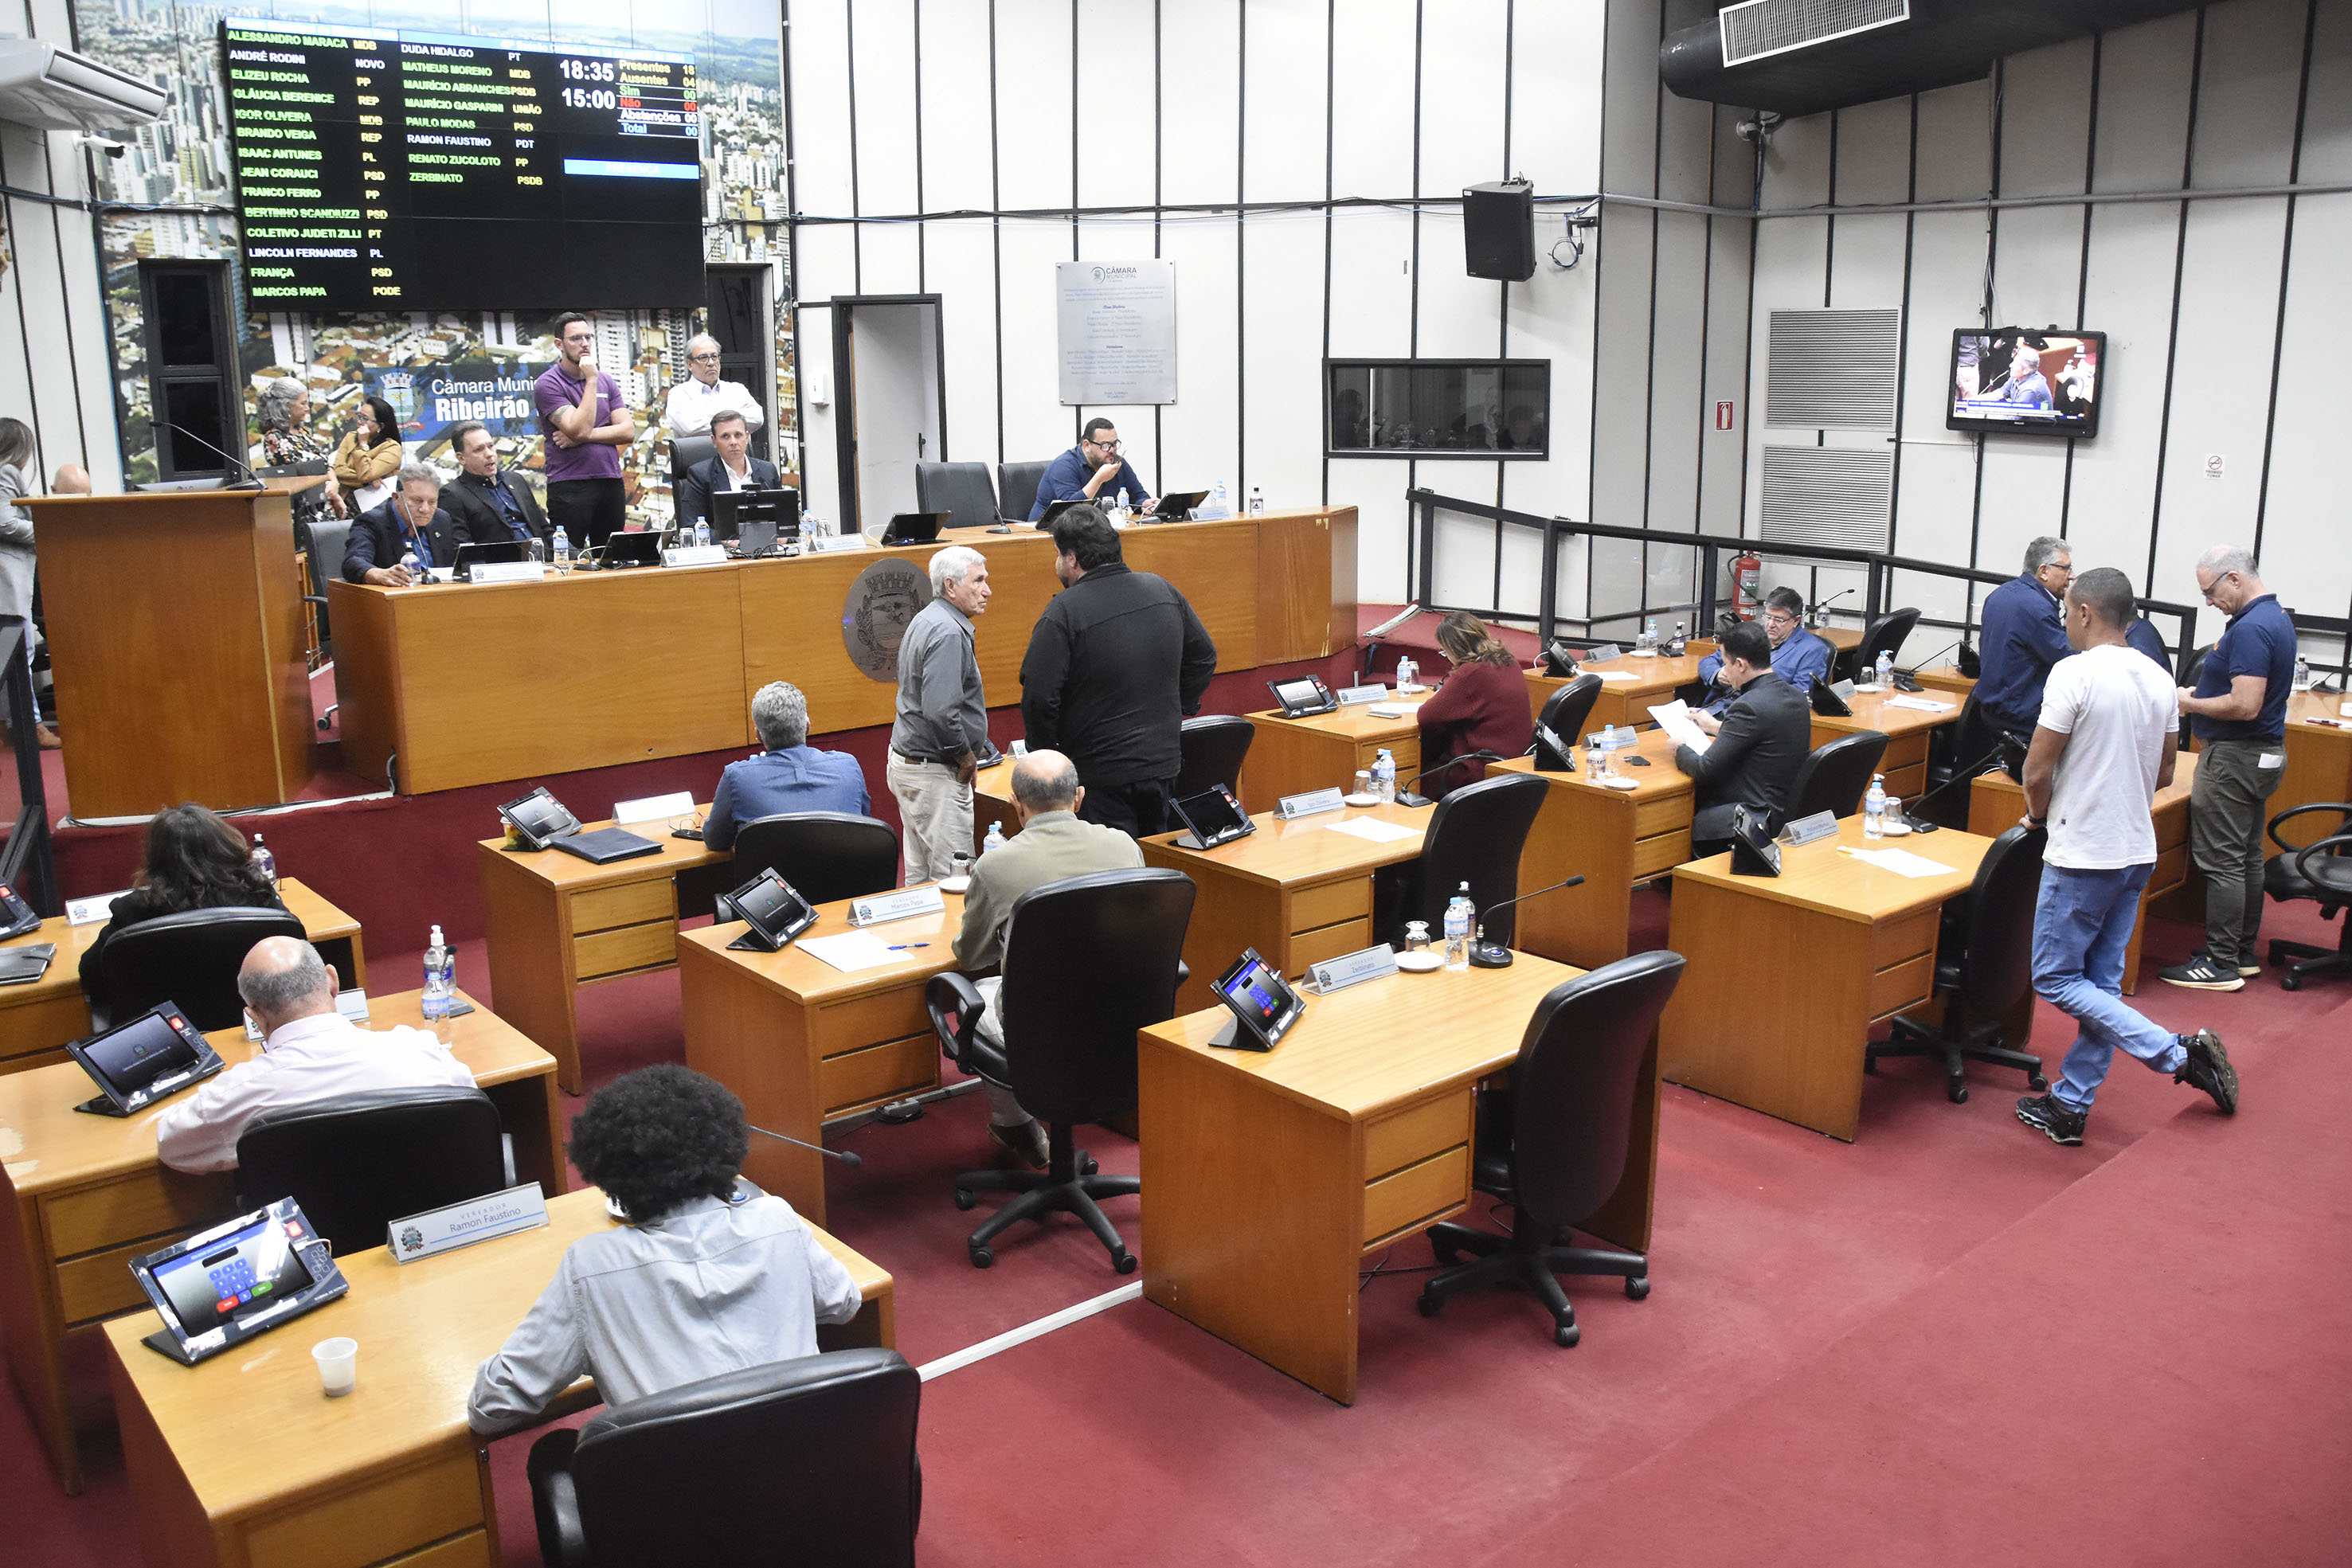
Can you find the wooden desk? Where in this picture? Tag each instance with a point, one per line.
(38, 1019)
(1995, 801)
(1787, 974)
(243, 1460)
(467, 684)
(1907, 730)
(2318, 755)
(1291, 756)
(992, 801)
(801, 1043)
(1612, 838)
(1946, 678)
(87, 1193)
(556, 923)
(1296, 892)
(1655, 681)
(1269, 1180)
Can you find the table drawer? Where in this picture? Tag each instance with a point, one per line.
(1333, 900)
(146, 1204)
(1907, 783)
(36, 1031)
(471, 1550)
(1905, 751)
(1416, 1195)
(2171, 832)
(1413, 1134)
(853, 1025)
(377, 1520)
(2171, 868)
(1905, 984)
(1406, 752)
(1313, 947)
(623, 949)
(1662, 853)
(1662, 815)
(877, 1072)
(602, 908)
(1895, 941)
(100, 1285)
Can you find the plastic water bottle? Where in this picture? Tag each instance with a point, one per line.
(1596, 756)
(537, 550)
(440, 979)
(1649, 640)
(1406, 670)
(264, 862)
(1126, 512)
(562, 550)
(995, 839)
(701, 532)
(408, 563)
(1886, 670)
(1874, 808)
(1257, 500)
(2302, 674)
(1220, 504)
(1384, 775)
(1459, 913)
(1680, 645)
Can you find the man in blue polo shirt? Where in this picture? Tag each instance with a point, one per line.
(1799, 657)
(1090, 471)
(2238, 709)
(790, 776)
(2023, 635)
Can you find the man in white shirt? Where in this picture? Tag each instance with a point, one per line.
(2104, 745)
(694, 1287)
(309, 1052)
(694, 401)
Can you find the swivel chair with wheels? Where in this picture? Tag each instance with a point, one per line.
(1213, 747)
(1984, 968)
(960, 489)
(1556, 1149)
(1566, 711)
(357, 1162)
(802, 1461)
(1474, 835)
(1016, 488)
(2320, 872)
(689, 452)
(1956, 753)
(1836, 777)
(191, 958)
(1088, 961)
(1884, 635)
(827, 855)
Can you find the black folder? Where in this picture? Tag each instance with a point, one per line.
(606, 845)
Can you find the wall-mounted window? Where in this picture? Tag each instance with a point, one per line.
(1437, 408)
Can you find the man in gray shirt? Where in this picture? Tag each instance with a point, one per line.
(941, 729)
(694, 1287)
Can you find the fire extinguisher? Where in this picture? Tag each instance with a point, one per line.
(1748, 585)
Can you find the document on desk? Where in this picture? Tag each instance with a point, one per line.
(1611, 675)
(1374, 831)
(1901, 862)
(1674, 718)
(1925, 705)
(850, 951)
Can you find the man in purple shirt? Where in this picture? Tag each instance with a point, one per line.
(586, 424)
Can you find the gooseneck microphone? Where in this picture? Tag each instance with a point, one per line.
(1486, 955)
(251, 481)
(844, 1156)
(1405, 797)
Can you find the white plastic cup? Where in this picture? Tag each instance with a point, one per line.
(338, 1362)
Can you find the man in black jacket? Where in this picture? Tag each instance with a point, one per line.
(734, 469)
(412, 521)
(490, 507)
(1115, 663)
(1763, 737)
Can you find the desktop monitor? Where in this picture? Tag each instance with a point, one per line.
(2027, 382)
(729, 509)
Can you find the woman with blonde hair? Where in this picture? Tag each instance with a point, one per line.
(1483, 707)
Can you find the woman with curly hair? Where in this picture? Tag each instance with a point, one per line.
(283, 411)
(369, 455)
(192, 861)
(695, 1286)
(1484, 706)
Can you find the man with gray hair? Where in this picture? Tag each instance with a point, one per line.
(941, 730)
(790, 775)
(409, 522)
(309, 1052)
(2023, 634)
(695, 401)
(1053, 844)
(2238, 708)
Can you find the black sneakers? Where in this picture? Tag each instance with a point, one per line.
(2044, 1112)
(2201, 974)
(2207, 1068)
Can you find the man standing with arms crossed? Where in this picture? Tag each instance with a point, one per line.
(585, 423)
(941, 729)
(2103, 747)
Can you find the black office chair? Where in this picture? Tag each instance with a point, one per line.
(1213, 747)
(960, 489)
(827, 855)
(1884, 635)
(1957, 753)
(1567, 709)
(357, 1162)
(689, 452)
(1474, 835)
(191, 958)
(1553, 1146)
(1984, 967)
(1088, 961)
(2320, 871)
(801, 1461)
(1836, 775)
(1016, 488)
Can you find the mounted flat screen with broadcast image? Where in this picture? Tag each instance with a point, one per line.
(2033, 384)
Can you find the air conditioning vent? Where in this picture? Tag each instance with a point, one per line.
(1828, 495)
(1832, 369)
(1756, 29)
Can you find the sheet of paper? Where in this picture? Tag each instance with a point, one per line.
(850, 951)
(1375, 831)
(1925, 705)
(1611, 675)
(1674, 718)
(1903, 862)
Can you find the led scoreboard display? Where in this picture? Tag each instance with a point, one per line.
(399, 172)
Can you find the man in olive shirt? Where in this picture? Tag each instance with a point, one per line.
(1053, 844)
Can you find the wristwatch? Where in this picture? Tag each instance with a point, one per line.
(2033, 821)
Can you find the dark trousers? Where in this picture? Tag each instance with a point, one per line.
(590, 511)
(1138, 810)
(2227, 809)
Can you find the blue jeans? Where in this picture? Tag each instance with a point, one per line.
(2081, 925)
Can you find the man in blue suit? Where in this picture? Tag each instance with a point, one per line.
(1799, 657)
(1091, 471)
(734, 469)
(2025, 634)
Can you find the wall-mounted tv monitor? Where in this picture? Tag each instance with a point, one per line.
(2031, 383)
(385, 170)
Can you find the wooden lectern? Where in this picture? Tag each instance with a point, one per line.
(176, 640)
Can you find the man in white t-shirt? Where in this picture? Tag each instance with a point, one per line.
(2102, 748)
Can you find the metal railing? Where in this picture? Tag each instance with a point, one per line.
(28, 862)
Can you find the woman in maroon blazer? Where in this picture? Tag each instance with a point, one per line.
(1484, 706)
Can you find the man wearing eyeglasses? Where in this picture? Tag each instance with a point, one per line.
(1799, 657)
(2025, 634)
(695, 402)
(1090, 470)
(2238, 708)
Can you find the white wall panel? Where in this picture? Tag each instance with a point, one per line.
(1032, 127)
(1376, 489)
(819, 105)
(1371, 99)
(820, 464)
(1555, 111)
(1461, 316)
(889, 258)
(2130, 300)
(1036, 425)
(882, 42)
(1873, 152)
(1371, 283)
(1551, 318)
(958, 135)
(2304, 525)
(1116, 146)
(2248, 80)
(1462, 96)
(1283, 101)
(1200, 47)
(2143, 120)
(1200, 432)
(1282, 356)
(2046, 102)
(1675, 417)
(962, 269)
(2327, 112)
(1954, 150)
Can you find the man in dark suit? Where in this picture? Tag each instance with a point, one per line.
(491, 505)
(1761, 740)
(411, 521)
(733, 469)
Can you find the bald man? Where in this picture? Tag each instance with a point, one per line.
(308, 1051)
(72, 479)
(1052, 843)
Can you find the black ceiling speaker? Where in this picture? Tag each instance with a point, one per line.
(1499, 230)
